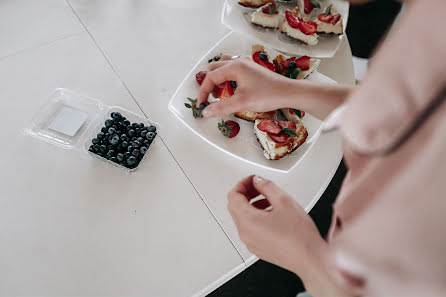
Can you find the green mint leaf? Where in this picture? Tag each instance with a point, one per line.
(328, 10)
(187, 105)
(289, 132)
(315, 3)
(298, 113)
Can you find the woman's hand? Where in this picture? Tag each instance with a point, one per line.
(285, 236)
(258, 89)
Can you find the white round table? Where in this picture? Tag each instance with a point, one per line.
(71, 225)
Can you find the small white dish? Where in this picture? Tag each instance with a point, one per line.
(237, 18)
(244, 146)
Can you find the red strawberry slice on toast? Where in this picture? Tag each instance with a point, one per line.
(288, 124)
(308, 28)
(279, 138)
(291, 19)
(264, 63)
(269, 126)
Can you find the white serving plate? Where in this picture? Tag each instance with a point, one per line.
(236, 17)
(244, 146)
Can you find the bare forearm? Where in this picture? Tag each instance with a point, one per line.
(319, 100)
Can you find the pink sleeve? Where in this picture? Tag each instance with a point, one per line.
(406, 75)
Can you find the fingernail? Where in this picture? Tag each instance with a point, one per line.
(258, 180)
(206, 113)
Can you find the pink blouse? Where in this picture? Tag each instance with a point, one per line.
(389, 225)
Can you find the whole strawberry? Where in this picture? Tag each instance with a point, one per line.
(229, 129)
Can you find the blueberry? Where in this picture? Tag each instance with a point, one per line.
(135, 125)
(233, 84)
(150, 135)
(263, 56)
(152, 129)
(114, 140)
(136, 153)
(110, 153)
(131, 161)
(130, 148)
(140, 125)
(143, 133)
(140, 139)
(131, 133)
(111, 130)
(100, 135)
(96, 147)
(95, 141)
(114, 159)
(126, 123)
(136, 143)
(91, 149)
(104, 129)
(138, 131)
(147, 142)
(119, 132)
(292, 65)
(124, 144)
(123, 137)
(103, 148)
(143, 150)
(116, 115)
(108, 123)
(120, 157)
(127, 155)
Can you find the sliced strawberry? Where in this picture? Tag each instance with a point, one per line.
(290, 110)
(289, 124)
(308, 6)
(264, 63)
(269, 126)
(302, 113)
(286, 63)
(270, 9)
(227, 91)
(308, 28)
(325, 18)
(200, 76)
(291, 19)
(335, 19)
(303, 63)
(280, 138)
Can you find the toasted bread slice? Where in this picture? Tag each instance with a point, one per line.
(251, 116)
(254, 3)
(265, 20)
(275, 151)
(328, 28)
(296, 33)
(303, 15)
(257, 48)
(314, 64)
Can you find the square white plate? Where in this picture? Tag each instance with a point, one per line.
(244, 146)
(237, 18)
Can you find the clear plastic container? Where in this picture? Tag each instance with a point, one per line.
(71, 121)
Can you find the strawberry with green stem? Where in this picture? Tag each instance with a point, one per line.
(229, 128)
(196, 111)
